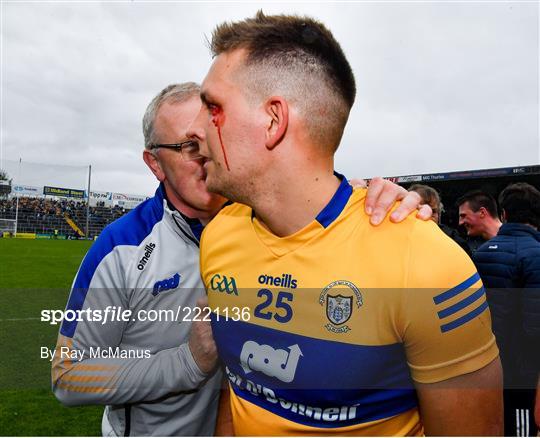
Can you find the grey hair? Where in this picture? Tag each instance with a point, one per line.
(175, 93)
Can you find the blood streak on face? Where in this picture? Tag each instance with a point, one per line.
(218, 118)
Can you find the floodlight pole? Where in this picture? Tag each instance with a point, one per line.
(17, 202)
(88, 202)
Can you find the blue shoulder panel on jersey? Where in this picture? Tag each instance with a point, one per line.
(130, 229)
(336, 205)
(311, 381)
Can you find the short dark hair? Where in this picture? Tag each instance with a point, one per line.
(521, 204)
(478, 199)
(303, 52)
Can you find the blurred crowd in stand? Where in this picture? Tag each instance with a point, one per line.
(47, 216)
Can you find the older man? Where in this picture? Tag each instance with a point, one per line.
(156, 377)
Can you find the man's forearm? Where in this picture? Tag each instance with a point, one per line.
(119, 381)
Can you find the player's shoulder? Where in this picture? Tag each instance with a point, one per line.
(435, 260)
(136, 225)
(398, 242)
(428, 239)
(394, 232)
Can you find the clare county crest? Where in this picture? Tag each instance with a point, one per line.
(340, 298)
(338, 308)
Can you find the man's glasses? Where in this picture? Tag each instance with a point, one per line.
(189, 149)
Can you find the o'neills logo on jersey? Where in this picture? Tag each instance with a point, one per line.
(142, 262)
(286, 281)
(339, 297)
(222, 283)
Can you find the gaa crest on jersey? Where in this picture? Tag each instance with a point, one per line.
(339, 299)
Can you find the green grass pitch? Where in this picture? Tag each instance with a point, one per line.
(36, 275)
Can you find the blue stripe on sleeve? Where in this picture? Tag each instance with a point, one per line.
(461, 304)
(456, 290)
(464, 319)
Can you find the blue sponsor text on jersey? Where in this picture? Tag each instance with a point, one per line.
(320, 414)
(167, 284)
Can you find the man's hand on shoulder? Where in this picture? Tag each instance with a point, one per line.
(201, 342)
(383, 194)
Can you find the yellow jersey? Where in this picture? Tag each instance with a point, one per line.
(324, 331)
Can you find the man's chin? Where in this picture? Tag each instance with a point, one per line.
(215, 187)
(211, 186)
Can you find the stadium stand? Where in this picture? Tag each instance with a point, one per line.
(58, 217)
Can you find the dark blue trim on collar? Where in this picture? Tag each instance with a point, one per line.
(195, 226)
(336, 205)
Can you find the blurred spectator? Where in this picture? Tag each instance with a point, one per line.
(509, 265)
(478, 214)
(431, 197)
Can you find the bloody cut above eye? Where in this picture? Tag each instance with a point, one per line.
(218, 118)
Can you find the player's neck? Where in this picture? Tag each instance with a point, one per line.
(295, 201)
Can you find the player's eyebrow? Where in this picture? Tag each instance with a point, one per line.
(205, 98)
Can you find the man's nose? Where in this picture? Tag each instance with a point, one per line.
(196, 132)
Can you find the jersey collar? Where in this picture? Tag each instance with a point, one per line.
(336, 205)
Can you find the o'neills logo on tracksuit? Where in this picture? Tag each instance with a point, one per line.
(142, 262)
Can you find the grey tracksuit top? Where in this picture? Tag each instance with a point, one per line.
(142, 370)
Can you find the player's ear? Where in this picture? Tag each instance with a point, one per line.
(153, 163)
(277, 112)
(483, 212)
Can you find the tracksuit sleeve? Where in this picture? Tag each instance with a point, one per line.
(82, 374)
